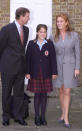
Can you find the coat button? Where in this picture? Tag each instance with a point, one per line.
(40, 60)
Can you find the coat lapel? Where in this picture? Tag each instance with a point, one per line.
(24, 34)
(16, 33)
(15, 30)
(37, 47)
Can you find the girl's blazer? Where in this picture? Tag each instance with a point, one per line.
(46, 59)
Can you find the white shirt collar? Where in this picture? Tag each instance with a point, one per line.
(18, 26)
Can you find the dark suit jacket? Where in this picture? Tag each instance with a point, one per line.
(46, 58)
(12, 52)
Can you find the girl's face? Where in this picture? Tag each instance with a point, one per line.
(42, 34)
(61, 23)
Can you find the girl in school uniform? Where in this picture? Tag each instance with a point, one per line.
(41, 68)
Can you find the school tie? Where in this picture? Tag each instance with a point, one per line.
(21, 34)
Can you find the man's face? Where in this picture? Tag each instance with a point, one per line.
(25, 19)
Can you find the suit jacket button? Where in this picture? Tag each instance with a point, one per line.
(40, 60)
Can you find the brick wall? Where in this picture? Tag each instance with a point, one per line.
(73, 8)
(4, 12)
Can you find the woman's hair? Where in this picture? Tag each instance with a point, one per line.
(68, 28)
(21, 11)
(38, 29)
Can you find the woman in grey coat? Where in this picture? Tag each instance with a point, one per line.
(68, 63)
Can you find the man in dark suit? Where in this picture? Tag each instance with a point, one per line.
(13, 40)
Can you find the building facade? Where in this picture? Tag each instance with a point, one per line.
(71, 7)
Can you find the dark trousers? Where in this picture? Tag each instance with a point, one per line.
(40, 102)
(15, 82)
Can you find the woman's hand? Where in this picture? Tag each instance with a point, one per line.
(27, 76)
(77, 72)
(54, 76)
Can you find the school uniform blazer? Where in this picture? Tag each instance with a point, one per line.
(46, 59)
(12, 52)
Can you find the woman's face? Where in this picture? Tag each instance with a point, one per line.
(42, 34)
(61, 23)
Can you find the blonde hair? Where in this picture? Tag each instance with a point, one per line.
(68, 28)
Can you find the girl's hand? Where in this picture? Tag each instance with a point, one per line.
(27, 76)
(77, 72)
(54, 76)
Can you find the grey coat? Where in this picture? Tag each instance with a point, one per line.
(68, 59)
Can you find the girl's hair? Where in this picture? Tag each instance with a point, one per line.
(68, 28)
(38, 29)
